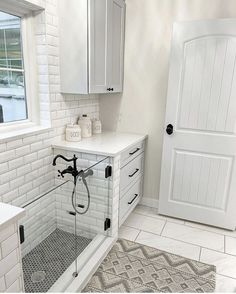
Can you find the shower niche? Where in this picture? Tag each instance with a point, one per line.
(65, 226)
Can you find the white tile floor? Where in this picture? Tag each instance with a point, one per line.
(200, 242)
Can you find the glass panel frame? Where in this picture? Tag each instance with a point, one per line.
(75, 231)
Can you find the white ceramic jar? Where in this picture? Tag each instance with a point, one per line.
(73, 133)
(97, 126)
(86, 126)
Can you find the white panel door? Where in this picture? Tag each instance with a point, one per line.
(198, 177)
(116, 30)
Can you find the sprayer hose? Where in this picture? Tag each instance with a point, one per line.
(73, 197)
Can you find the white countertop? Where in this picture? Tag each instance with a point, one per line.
(107, 143)
(9, 214)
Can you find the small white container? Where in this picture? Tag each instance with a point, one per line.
(97, 126)
(73, 133)
(86, 126)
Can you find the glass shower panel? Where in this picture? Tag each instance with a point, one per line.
(44, 247)
(96, 220)
(90, 204)
(62, 223)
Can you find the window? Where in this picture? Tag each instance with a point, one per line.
(13, 106)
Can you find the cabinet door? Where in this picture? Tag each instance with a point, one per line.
(116, 29)
(98, 63)
(73, 27)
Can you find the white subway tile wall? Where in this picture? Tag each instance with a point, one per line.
(11, 278)
(39, 222)
(26, 163)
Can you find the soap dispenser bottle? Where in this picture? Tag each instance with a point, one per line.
(97, 126)
(86, 126)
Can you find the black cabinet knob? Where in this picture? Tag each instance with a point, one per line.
(110, 89)
(169, 129)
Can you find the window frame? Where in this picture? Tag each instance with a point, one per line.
(28, 41)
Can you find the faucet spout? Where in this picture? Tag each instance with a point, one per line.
(64, 158)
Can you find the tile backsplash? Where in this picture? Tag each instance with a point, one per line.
(25, 163)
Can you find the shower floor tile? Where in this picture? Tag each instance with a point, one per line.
(43, 265)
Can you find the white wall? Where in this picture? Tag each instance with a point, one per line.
(141, 107)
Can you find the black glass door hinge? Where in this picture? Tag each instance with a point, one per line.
(107, 224)
(108, 171)
(22, 234)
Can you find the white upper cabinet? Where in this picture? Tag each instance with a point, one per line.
(91, 46)
(116, 28)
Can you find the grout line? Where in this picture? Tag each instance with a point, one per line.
(146, 214)
(175, 220)
(164, 237)
(198, 245)
(187, 223)
(200, 253)
(228, 254)
(137, 235)
(192, 244)
(143, 230)
(224, 244)
(203, 247)
(163, 228)
(226, 276)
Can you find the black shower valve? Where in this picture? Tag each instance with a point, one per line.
(60, 174)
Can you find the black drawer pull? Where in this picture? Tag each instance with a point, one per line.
(136, 195)
(134, 173)
(132, 153)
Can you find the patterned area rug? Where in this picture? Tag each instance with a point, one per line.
(132, 267)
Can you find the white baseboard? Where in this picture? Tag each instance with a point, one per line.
(151, 202)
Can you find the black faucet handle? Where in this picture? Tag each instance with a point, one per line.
(68, 170)
(60, 174)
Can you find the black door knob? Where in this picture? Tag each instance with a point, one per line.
(169, 129)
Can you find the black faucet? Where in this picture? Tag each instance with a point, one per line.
(69, 170)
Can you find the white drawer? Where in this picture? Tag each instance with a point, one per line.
(129, 201)
(132, 152)
(131, 172)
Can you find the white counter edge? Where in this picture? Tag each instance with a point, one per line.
(11, 217)
(64, 145)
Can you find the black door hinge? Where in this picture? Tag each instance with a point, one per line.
(108, 171)
(22, 234)
(72, 213)
(107, 224)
